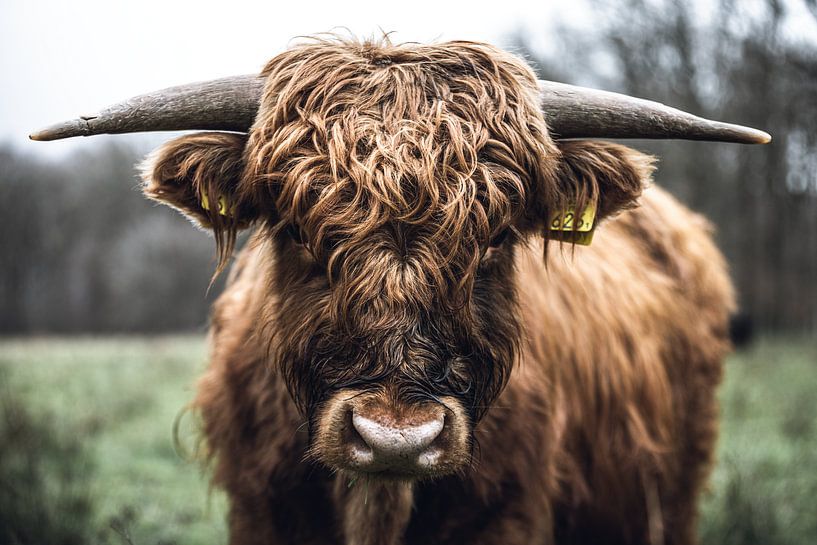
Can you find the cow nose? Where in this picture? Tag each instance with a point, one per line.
(394, 441)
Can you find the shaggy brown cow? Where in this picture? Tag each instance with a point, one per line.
(403, 354)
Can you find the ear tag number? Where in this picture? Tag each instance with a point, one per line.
(568, 226)
(222, 204)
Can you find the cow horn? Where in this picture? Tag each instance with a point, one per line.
(226, 104)
(579, 112)
(230, 104)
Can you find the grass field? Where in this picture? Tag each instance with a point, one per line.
(87, 452)
(111, 403)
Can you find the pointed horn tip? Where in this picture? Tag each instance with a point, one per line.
(40, 136)
(760, 137)
(740, 134)
(66, 129)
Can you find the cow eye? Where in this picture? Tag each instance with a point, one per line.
(499, 239)
(295, 234)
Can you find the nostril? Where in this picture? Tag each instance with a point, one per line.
(351, 434)
(397, 440)
(360, 451)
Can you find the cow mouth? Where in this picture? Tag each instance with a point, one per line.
(375, 436)
(403, 458)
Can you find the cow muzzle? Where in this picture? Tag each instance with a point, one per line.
(381, 436)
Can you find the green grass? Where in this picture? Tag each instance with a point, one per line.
(119, 398)
(101, 466)
(764, 486)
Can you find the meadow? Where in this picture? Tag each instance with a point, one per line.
(87, 450)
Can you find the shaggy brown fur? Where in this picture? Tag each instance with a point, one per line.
(401, 197)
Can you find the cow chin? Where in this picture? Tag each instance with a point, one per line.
(378, 436)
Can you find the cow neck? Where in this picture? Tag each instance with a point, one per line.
(373, 512)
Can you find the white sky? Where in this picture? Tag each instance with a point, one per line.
(63, 58)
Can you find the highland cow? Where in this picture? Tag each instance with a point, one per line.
(416, 345)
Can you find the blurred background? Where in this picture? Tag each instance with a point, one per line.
(104, 296)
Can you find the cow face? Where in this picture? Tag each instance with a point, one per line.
(394, 185)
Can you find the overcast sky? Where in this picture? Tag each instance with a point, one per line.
(63, 58)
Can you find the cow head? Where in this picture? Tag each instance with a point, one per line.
(393, 185)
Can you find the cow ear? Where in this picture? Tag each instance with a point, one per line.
(602, 177)
(198, 174)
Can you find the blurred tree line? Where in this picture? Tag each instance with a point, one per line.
(730, 60)
(82, 251)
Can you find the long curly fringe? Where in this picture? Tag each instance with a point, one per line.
(444, 144)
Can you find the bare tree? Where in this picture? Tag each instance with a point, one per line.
(727, 63)
(83, 251)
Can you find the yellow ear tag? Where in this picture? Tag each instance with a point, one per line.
(222, 204)
(567, 226)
